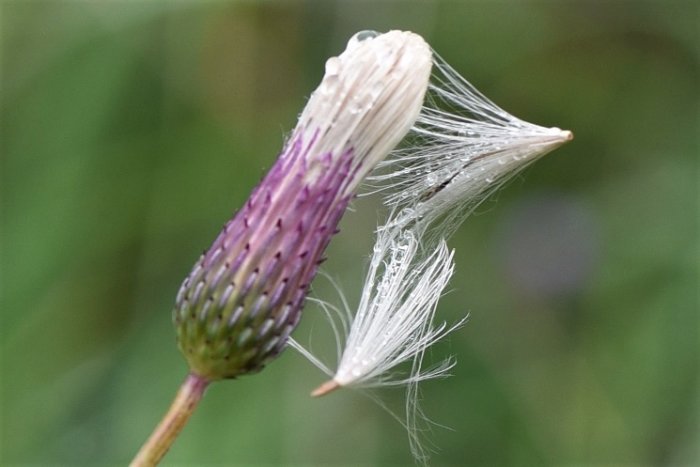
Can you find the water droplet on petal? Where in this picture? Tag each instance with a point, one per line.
(332, 66)
(376, 90)
(364, 35)
(329, 84)
(360, 104)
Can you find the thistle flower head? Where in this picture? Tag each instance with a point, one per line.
(237, 307)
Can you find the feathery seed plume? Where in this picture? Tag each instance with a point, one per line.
(462, 148)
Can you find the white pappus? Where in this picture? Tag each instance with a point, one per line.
(394, 320)
(462, 148)
(394, 324)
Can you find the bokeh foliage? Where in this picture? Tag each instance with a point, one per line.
(132, 130)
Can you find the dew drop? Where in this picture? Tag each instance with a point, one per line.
(332, 66)
(330, 84)
(364, 35)
(361, 37)
(359, 104)
(355, 108)
(376, 90)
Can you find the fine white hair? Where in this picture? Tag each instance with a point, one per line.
(461, 148)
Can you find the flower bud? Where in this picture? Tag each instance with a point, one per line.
(237, 307)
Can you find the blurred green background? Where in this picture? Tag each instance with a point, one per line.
(132, 130)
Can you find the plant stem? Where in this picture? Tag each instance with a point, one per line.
(173, 422)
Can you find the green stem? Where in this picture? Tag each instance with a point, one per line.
(172, 423)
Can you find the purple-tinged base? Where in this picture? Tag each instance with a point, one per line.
(238, 306)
